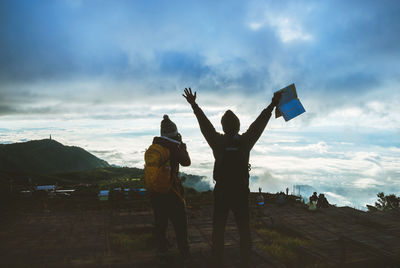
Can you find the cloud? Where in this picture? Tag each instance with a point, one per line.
(5, 109)
(287, 29)
(101, 76)
(336, 198)
(366, 183)
(269, 182)
(121, 46)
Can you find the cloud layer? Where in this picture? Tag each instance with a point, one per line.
(101, 74)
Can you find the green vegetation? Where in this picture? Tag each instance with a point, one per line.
(121, 182)
(283, 244)
(103, 176)
(385, 202)
(125, 242)
(283, 247)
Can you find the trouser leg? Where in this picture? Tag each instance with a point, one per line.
(179, 221)
(242, 218)
(161, 223)
(220, 215)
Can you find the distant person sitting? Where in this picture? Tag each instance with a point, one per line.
(312, 205)
(314, 197)
(281, 200)
(322, 201)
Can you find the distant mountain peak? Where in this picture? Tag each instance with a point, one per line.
(47, 156)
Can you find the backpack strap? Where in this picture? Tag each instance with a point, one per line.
(179, 195)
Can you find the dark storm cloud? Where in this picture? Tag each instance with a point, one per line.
(5, 109)
(18, 110)
(50, 40)
(354, 44)
(331, 47)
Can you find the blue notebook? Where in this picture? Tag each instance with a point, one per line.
(289, 106)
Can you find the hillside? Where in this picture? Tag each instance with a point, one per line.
(46, 157)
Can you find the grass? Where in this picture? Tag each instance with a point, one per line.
(286, 248)
(282, 247)
(124, 242)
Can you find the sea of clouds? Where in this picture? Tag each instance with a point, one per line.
(349, 163)
(101, 76)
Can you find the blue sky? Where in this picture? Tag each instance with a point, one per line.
(100, 74)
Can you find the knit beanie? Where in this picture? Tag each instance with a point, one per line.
(168, 128)
(230, 123)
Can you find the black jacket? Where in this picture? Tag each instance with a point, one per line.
(217, 141)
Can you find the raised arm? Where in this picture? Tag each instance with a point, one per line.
(257, 127)
(207, 129)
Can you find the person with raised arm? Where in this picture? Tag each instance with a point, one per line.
(231, 152)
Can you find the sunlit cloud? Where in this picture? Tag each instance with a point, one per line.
(366, 183)
(336, 198)
(102, 76)
(289, 30)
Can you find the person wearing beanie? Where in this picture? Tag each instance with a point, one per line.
(168, 128)
(170, 205)
(231, 152)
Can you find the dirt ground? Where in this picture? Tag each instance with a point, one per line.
(98, 235)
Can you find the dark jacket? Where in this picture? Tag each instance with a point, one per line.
(178, 156)
(217, 141)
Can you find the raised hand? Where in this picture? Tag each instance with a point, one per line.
(276, 99)
(189, 96)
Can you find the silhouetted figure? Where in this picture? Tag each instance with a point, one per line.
(170, 206)
(231, 172)
(314, 197)
(281, 200)
(322, 201)
(287, 190)
(260, 199)
(312, 204)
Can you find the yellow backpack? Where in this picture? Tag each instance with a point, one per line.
(157, 169)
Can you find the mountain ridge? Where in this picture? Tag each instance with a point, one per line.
(47, 156)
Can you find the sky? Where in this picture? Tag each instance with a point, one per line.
(101, 75)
